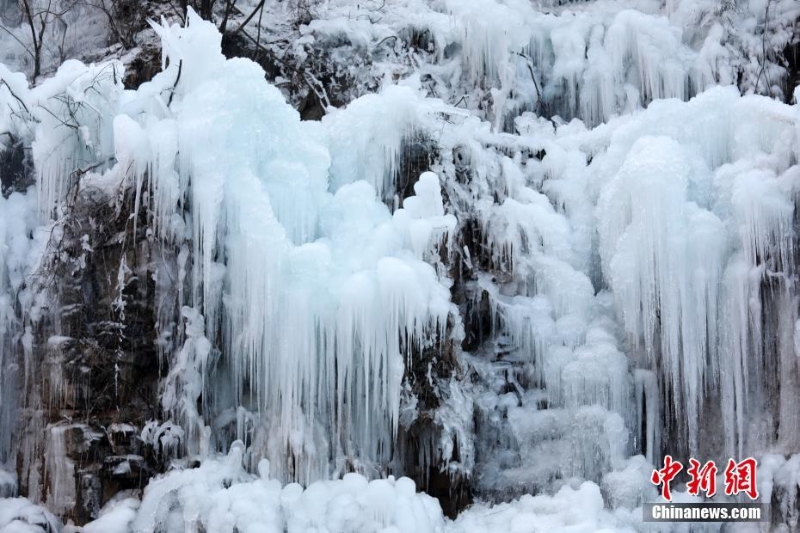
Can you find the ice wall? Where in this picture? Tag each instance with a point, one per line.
(578, 298)
(304, 295)
(301, 296)
(591, 63)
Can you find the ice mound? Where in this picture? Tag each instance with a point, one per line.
(221, 497)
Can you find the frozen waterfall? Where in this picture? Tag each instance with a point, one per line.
(535, 290)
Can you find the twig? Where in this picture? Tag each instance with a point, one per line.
(763, 68)
(260, 14)
(4, 82)
(320, 92)
(249, 17)
(384, 40)
(181, 16)
(262, 48)
(229, 7)
(24, 46)
(539, 100)
(78, 172)
(177, 79)
(73, 126)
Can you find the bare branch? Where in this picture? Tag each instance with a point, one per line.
(539, 99)
(384, 40)
(250, 17)
(18, 99)
(177, 79)
(78, 172)
(229, 5)
(73, 126)
(763, 69)
(260, 14)
(24, 46)
(318, 89)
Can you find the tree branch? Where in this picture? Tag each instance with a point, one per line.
(250, 17)
(539, 100)
(24, 46)
(177, 79)
(4, 82)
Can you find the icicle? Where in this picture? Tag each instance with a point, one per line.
(186, 380)
(365, 141)
(597, 374)
(60, 479)
(314, 298)
(75, 110)
(662, 256)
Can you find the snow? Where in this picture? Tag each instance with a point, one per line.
(544, 513)
(116, 517)
(220, 496)
(8, 484)
(19, 515)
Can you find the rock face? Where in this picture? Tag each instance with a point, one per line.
(94, 370)
(15, 170)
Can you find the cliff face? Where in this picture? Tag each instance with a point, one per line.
(92, 376)
(496, 247)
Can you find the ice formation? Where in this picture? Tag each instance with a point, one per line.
(613, 281)
(277, 254)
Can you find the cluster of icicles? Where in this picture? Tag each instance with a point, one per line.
(644, 258)
(297, 302)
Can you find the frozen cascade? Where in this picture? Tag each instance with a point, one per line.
(662, 257)
(276, 256)
(321, 291)
(592, 64)
(545, 310)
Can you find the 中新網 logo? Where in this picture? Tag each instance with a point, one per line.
(740, 478)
